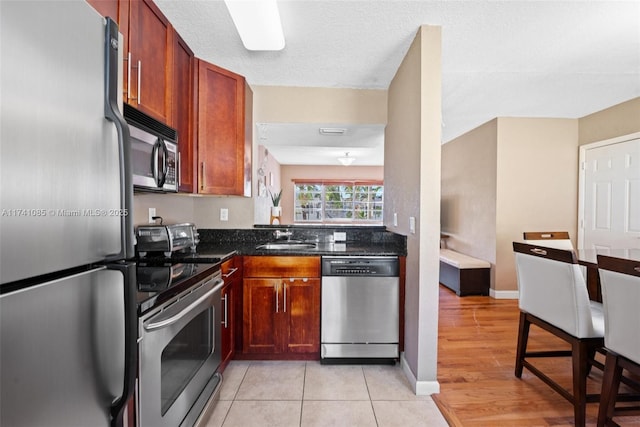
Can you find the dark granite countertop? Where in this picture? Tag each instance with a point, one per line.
(361, 241)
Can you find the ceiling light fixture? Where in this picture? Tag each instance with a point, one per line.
(258, 23)
(346, 160)
(332, 131)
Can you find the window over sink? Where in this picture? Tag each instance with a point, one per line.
(338, 201)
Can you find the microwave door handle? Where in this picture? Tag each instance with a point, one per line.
(154, 162)
(165, 157)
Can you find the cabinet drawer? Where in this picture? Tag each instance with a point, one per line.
(281, 266)
(232, 269)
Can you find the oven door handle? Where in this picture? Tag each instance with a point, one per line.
(165, 319)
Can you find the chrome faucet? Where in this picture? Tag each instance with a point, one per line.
(279, 233)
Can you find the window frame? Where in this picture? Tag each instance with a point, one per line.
(370, 208)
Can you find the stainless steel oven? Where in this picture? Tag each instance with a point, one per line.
(179, 345)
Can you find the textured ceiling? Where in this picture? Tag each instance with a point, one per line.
(499, 58)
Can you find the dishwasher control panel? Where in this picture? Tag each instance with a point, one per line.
(380, 266)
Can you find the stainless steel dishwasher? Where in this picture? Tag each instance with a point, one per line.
(360, 309)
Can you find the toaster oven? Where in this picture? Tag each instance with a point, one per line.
(166, 238)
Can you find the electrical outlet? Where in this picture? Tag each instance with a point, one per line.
(224, 214)
(152, 213)
(339, 236)
(412, 224)
(395, 219)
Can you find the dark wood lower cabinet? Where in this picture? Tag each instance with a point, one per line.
(232, 276)
(282, 317)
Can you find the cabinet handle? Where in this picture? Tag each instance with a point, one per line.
(179, 170)
(284, 306)
(225, 322)
(139, 81)
(202, 183)
(128, 76)
(233, 270)
(275, 288)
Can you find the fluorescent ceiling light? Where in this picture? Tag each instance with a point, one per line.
(258, 23)
(346, 160)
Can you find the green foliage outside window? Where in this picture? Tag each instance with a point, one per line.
(344, 202)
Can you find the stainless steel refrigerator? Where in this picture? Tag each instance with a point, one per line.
(67, 293)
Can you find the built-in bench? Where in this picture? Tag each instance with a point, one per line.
(464, 274)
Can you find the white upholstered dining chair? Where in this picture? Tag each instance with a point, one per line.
(554, 297)
(620, 281)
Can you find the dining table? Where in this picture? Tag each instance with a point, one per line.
(589, 259)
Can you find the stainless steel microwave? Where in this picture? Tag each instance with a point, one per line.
(154, 153)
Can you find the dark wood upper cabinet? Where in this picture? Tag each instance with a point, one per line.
(147, 64)
(183, 111)
(110, 8)
(210, 107)
(224, 158)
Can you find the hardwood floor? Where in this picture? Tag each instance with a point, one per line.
(476, 356)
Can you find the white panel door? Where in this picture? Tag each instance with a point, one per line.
(612, 196)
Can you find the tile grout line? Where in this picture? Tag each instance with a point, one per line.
(235, 394)
(366, 383)
(304, 380)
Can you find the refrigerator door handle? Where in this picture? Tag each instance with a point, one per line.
(112, 113)
(131, 340)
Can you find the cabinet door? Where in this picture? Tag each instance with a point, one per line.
(221, 143)
(106, 8)
(302, 311)
(148, 65)
(261, 308)
(183, 111)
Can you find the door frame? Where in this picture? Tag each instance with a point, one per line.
(581, 175)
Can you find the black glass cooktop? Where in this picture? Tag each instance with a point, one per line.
(159, 281)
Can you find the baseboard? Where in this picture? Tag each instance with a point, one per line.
(503, 294)
(420, 388)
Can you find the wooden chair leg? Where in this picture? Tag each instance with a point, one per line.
(610, 384)
(579, 355)
(523, 337)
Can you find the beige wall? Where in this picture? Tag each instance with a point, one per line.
(618, 120)
(412, 189)
(536, 181)
(280, 104)
(173, 208)
(270, 104)
(468, 201)
(505, 177)
(290, 172)
(537, 185)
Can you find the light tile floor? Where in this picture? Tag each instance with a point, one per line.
(283, 394)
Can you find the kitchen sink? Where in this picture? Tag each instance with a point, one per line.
(286, 245)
